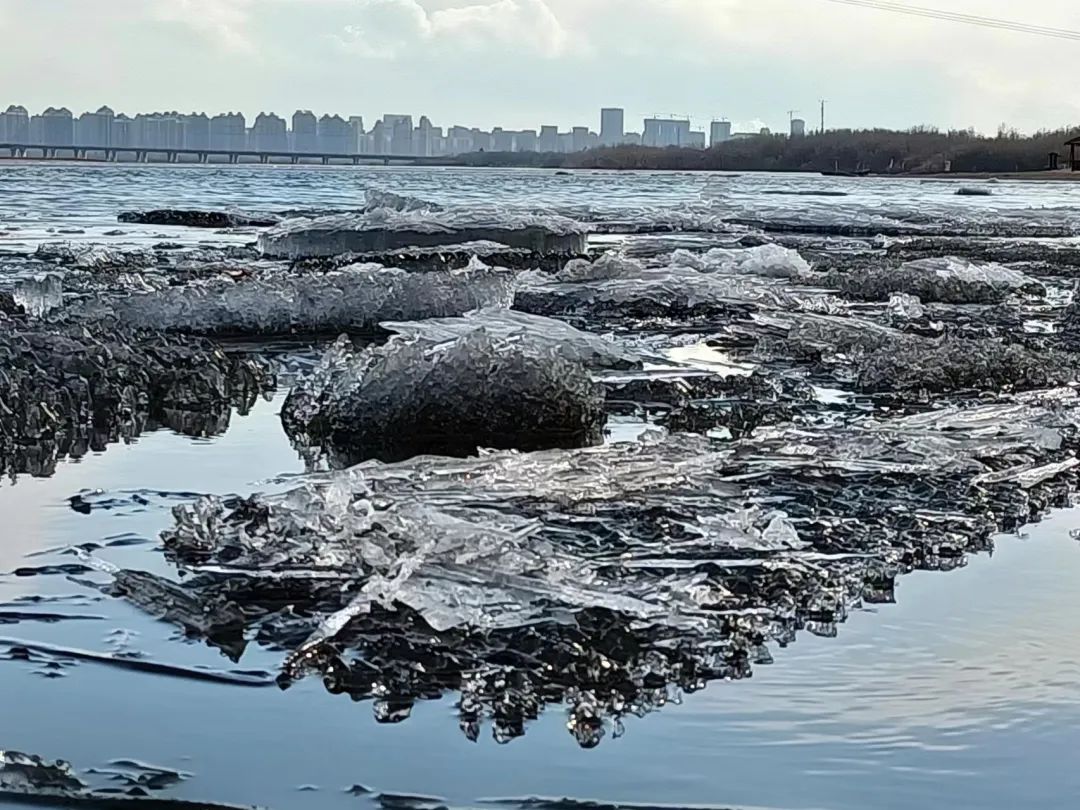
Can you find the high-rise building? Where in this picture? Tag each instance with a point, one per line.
(459, 141)
(269, 133)
(334, 135)
(159, 130)
(305, 132)
(400, 128)
(525, 141)
(612, 126)
(502, 140)
(95, 128)
(378, 140)
(719, 132)
(356, 134)
(697, 139)
(482, 141)
(37, 129)
(798, 128)
(549, 139)
(662, 132)
(423, 138)
(57, 127)
(123, 131)
(579, 139)
(15, 125)
(196, 131)
(228, 131)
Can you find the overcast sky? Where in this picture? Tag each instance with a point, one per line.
(522, 63)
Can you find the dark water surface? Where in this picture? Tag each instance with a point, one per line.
(965, 694)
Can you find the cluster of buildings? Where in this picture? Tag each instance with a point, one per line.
(332, 134)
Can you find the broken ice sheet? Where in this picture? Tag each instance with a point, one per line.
(608, 578)
(276, 302)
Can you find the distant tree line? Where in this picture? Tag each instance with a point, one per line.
(921, 150)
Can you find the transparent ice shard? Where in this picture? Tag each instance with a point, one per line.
(39, 295)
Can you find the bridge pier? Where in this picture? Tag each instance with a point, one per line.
(325, 160)
(356, 160)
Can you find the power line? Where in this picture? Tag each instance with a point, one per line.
(967, 19)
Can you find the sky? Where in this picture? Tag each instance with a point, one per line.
(523, 63)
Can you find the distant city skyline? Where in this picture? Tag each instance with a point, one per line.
(518, 63)
(306, 133)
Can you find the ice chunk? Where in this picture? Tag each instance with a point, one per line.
(609, 265)
(39, 295)
(353, 299)
(717, 285)
(381, 228)
(671, 292)
(772, 261)
(415, 395)
(95, 257)
(948, 280)
(906, 307)
(593, 351)
(375, 199)
(29, 775)
(188, 218)
(954, 364)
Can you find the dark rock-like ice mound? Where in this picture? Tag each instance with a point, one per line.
(414, 396)
(199, 219)
(355, 299)
(402, 223)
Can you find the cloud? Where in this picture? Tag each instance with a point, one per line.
(388, 29)
(223, 22)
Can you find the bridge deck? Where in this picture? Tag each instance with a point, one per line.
(171, 154)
